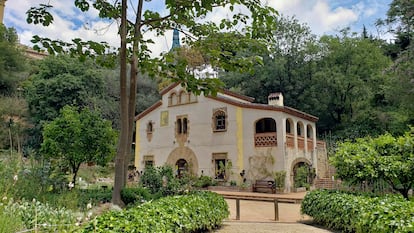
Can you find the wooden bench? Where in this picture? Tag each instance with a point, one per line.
(264, 184)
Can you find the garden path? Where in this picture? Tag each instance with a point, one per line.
(257, 216)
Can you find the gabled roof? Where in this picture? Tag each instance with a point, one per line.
(239, 96)
(148, 110)
(233, 101)
(168, 88)
(284, 109)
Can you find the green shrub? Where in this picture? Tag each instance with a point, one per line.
(301, 177)
(135, 195)
(357, 213)
(279, 178)
(203, 182)
(188, 213)
(9, 223)
(9, 168)
(36, 215)
(161, 181)
(69, 199)
(93, 196)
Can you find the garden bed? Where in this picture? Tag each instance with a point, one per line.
(359, 213)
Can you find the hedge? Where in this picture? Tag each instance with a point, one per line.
(188, 213)
(358, 213)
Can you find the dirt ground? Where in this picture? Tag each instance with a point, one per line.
(268, 227)
(258, 211)
(258, 216)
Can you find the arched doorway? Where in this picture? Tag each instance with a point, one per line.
(183, 155)
(302, 173)
(181, 167)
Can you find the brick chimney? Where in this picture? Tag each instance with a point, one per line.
(275, 99)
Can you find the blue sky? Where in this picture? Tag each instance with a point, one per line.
(322, 16)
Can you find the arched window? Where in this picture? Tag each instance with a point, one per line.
(179, 126)
(183, 97)
(185, 125)
(309, 131)
(182, 125)
(290, 142)
(289, 125)
(174, 99)
(299, 129)
(149, 127)
(265, 135)
(219, 120)
(266, 125)
(309, 135)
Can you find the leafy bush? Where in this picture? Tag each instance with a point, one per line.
(279, 178)
(28, 180)
(8, 222)
(93, 196)
(188, 213)
(301, 177)
(35, 215)
(162, 182)
(9, 167)
(45, 178)
(203, 182)
(135, 195)
(357, 213)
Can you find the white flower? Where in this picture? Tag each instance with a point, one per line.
(71, 185)
(4, 198)
(15, 177)
(89, 206)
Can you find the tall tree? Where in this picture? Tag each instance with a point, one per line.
(401, 89)
(187, 16)
(400, 18)
(13, 109)
(11, 61)
(349, 76)
(62, 81)
(399, 21)
(288, 66)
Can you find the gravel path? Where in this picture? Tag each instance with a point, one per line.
(267, 227)
(258, 217)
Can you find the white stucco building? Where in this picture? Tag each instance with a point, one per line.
(200, 134)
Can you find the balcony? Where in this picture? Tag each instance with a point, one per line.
(301, 143)
(310, 144)
(265, 139)
(290, 140)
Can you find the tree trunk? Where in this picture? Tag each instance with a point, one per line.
(404, 193)
(75, 173)
(133, 79)
(11, 141)
(119, 181)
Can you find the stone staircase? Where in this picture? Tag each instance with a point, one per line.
(325, 183)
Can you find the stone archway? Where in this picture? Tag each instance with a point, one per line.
(183, 154)
(297, 164)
